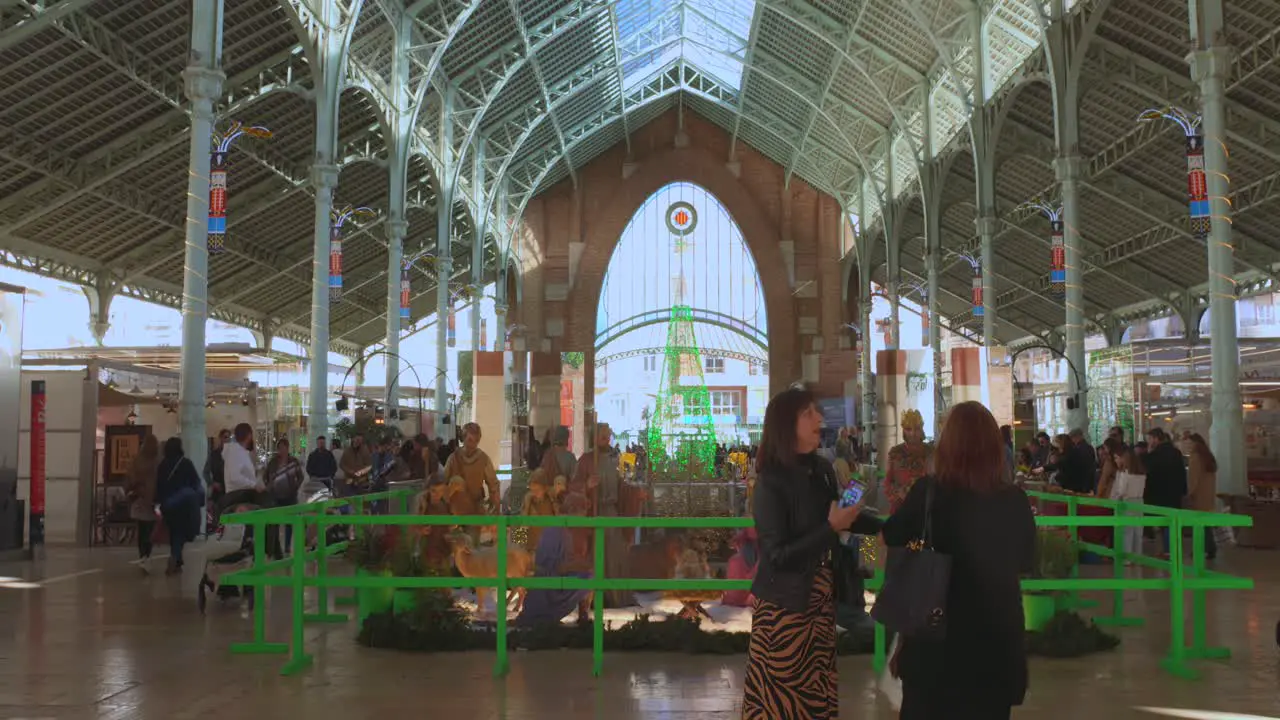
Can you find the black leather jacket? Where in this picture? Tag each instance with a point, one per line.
(791, 507)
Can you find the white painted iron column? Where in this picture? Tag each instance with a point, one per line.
(1210, 65)
(1069, 171)
(203, 85)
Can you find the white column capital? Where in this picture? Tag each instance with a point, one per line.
(500, 309)
(987, 224)
(1212, 63)
(202, 83)
(324, 177)
(396, 229)
(1069, 168)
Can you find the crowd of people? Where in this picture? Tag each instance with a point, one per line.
(1159, 470)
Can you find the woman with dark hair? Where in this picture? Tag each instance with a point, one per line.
(180, 499)
(791, 668)
(977, 668)
(1072, 472)
(1202, 486)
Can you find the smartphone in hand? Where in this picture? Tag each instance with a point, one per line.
(852, 495)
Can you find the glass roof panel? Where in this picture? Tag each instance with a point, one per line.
(710, 35)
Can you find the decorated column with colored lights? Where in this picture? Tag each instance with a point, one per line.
(1226, 426)
(339, 218)
(218, 181)
(1057, 248)
(405, 292)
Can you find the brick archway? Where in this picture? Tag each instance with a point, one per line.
(604, 223)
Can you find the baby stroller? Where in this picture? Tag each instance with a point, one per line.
(317, 491)
(229, 550)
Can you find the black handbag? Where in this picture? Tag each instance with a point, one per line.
(913, 599)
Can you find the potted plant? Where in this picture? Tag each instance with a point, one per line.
(1054, 559)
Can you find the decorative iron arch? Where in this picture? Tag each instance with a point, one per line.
(711, 352)
(700, 316)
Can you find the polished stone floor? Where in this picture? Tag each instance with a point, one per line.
(90, 635)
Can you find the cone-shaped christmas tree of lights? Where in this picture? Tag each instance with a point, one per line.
(681, 432)
(680, 436)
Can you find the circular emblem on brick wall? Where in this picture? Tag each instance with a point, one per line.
(681, 218)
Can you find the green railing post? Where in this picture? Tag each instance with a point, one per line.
(597, 639)
(258, 645)
(500, 663)
(299, 660)
(1118, 558)
(878, 660)
(322, 613)
(1199, 608)
(348, 600)
(1175, 663)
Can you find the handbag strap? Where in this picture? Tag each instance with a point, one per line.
(927, 535)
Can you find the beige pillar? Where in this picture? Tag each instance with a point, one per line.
(891, 396)
(488, 404)
(966, 374)
(544, 392)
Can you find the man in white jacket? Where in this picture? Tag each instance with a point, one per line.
(239, 474)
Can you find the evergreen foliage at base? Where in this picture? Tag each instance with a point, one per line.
(1070, 635)
(438, 624)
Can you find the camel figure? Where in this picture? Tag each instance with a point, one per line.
(483, 563)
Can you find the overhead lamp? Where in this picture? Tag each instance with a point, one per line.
(136, 390)
(111, 383)
(342, 404)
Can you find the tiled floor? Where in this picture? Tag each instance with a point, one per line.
(98, 638)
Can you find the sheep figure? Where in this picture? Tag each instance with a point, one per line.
(482, 562)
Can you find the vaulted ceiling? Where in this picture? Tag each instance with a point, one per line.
(93, 150)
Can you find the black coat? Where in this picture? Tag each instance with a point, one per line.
(1166, 477)
(791, 508)
(981, 661)
(1074, 472)
(182, 519)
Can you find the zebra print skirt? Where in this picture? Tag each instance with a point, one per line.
(791, 663)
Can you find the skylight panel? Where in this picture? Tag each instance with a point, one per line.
(710, 35)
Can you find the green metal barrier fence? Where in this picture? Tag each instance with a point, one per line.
(1181, 577)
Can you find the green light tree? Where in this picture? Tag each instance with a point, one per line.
(681, 433)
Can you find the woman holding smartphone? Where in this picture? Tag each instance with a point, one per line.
(791, 665)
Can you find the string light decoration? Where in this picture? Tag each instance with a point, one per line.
(1057, 247)
(885, 327)
(405, 288)
(920, 290)
(338, 217)
(1197, 186)
(217, 230)
(681, 432)
(976, 297)
(856, 329)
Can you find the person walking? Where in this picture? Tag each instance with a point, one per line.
(1202, 487)
(142, 493)
(791, 668)
(1166, 477)
(284, 478)
(976, 669)
(180, 499)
